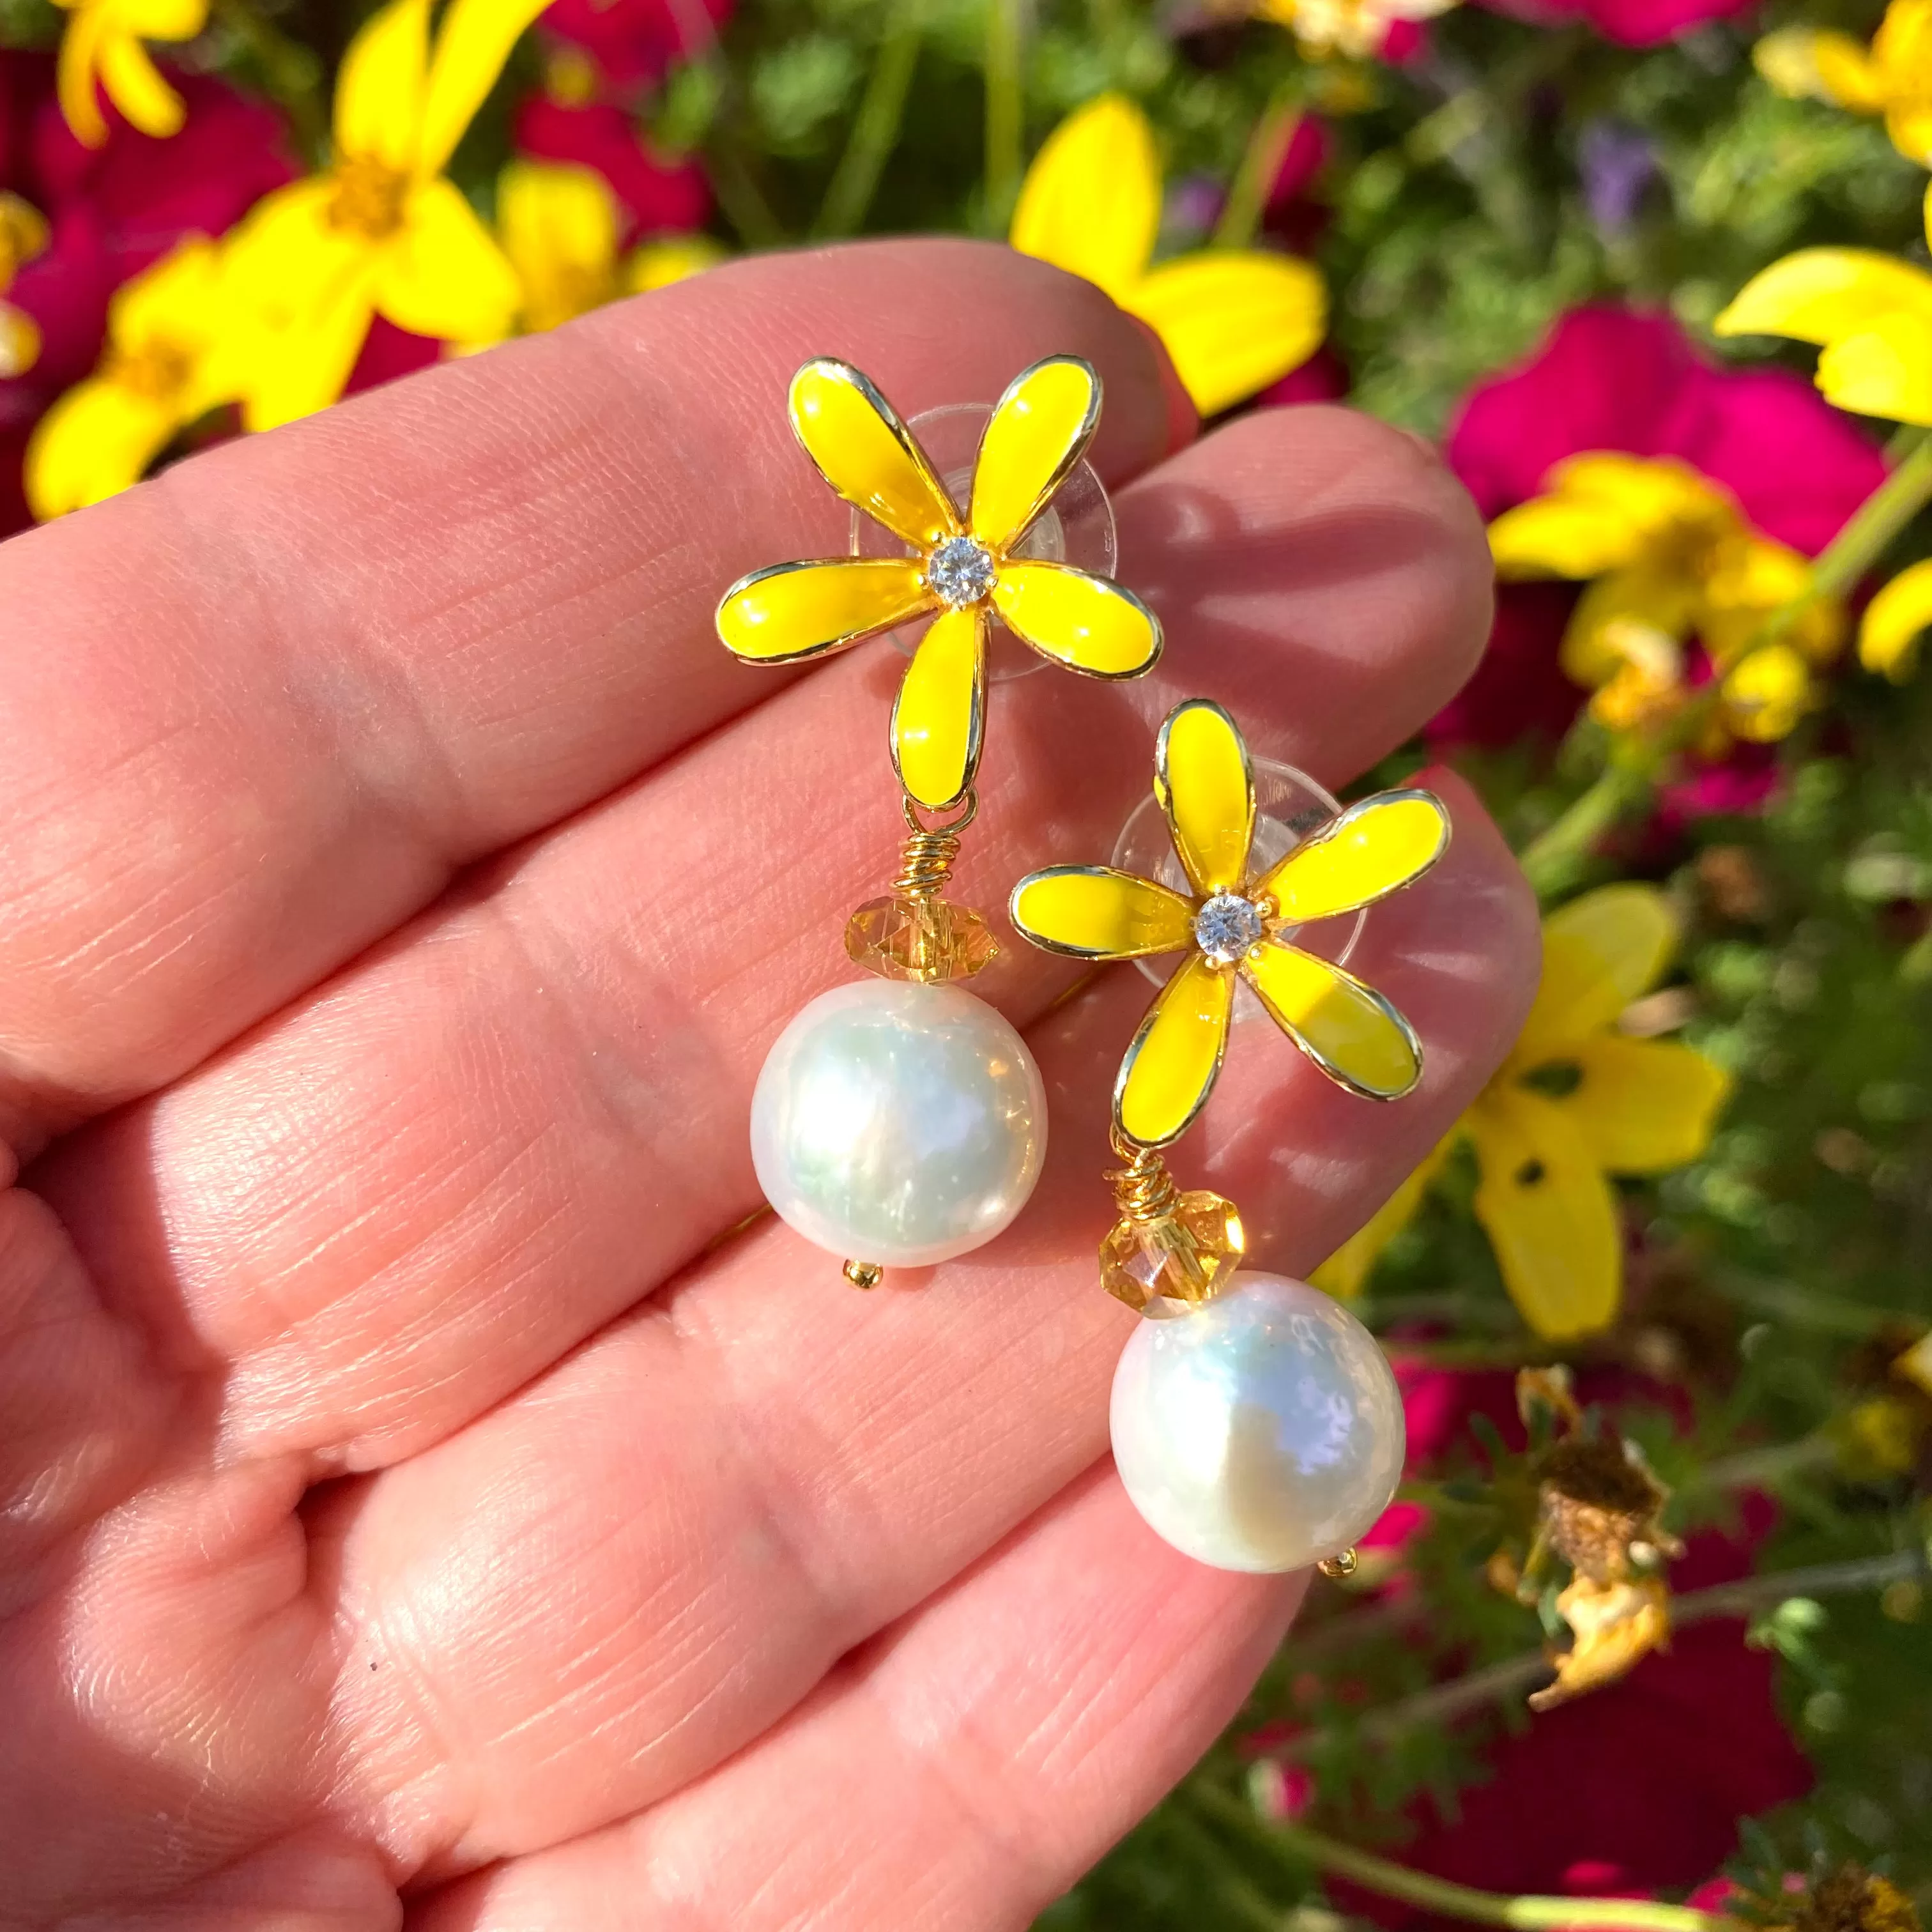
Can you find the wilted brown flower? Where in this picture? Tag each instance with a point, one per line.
(1612, 1626)
(1600, 1506)
(1853, 1899)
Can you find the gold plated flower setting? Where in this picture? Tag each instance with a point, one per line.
(959, 568)
(1259, 1428)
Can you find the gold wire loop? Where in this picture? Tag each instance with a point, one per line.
(1343, 1563)
(1144, 1190)
(925, 862)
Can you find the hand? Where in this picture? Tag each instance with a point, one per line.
(426, 1501)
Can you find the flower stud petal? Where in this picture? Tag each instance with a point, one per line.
(1371, 850)
(868, 455)
(1084, 623)
(797, 611)
(1096, 912)
(1170, 1069)
(1206, 785)
(1348, 1029)
(1038, 430)
(939, 715)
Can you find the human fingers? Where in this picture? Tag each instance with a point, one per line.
(254, 714)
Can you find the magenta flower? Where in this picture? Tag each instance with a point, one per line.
(634, 42)
(657, 197)
(1630, 23)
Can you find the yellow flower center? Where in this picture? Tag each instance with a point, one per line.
(157, 371)
(369, 198)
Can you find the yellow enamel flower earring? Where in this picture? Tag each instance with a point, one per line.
(900, 1120)
(1255, 1423)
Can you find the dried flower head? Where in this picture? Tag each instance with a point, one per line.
(1600, 1506)
(1612, 1625)
(1853, 1899)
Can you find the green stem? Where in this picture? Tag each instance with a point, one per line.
(1875, 523)
(290, 73)
(1004, 117)
(875, 128)
(1261, 164)
(1555, 858)
(1456, 1901)
(739, 195)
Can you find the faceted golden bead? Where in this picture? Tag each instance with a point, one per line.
(908, 937)
(1184, 1255)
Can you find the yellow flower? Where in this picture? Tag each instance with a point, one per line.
(1575, 1103)
(963, 569)
(163, 367)
(1233, 319)
(23, 234)
(1892, 77)
(103, 43)
(381, 229)
(1236, 925)
(1612, 1627)
(559, 224)
(1889, 632)
(1670, 556)
(1869, 314)
(1357, 28)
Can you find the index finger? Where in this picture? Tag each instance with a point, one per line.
(255, 713)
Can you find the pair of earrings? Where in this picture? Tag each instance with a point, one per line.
(901, 1121)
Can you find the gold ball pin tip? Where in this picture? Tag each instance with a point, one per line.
(864, 1274)
(1344, 1563)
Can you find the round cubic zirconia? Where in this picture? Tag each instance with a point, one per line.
(960, 572)
(1227, 927)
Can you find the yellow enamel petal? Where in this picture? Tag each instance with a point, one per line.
(558, 225)
(1346, 1272)
(80, 50)
(378, 93)
(472, 46)
(1170, 1068)
(868, 455)
(1372, 849)
(1094, 912)
(1084, 623)
(97, 440)
(1819, 294)
(940, 711)
(1205, 783)
(1644, 1106)
(1232, 320)
(1599, 953)
(135, 85)
(1549, 1212)
(1040, 430)
(1893, 621)
(1348, 1029)
(443, 274)
(1090, 202)
(795, 610)
(1884, 370)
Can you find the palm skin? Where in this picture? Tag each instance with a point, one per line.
(421, 1507)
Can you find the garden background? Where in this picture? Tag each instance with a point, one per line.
(1653, 272)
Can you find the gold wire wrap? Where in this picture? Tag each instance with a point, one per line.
(1175, 1246)
(1144, 1190)
(926, 861)
(914, 932)
(1343, 1563)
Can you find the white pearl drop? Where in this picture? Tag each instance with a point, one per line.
(897, 1122)
(1262, 1431)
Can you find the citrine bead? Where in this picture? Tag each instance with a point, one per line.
(1181, 1256)
(906, 936)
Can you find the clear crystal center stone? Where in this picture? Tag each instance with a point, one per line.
(1227, 927)
(959, 572)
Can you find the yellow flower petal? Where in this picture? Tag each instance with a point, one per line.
(1882, 370)
(95, 440)
(1094, 912)
(1894, 620)
(1169, 1070)
(558, 226)
(1766, 693)
(135, 85)
(1371, 850)
(1644, 1106)
(1205, 783)
(1232, 320)
(442, 275)
(1635, 616)
(796, 610)
(1819, 64)
(1348, 1029)
(1599, 953)
(673, 258)
(1819, 295)
(1549, 1212)
(180, 300)
(1040, 430)
(75, 72)
(1559, 536)
(293, 371)
(868, 455)
(378, 93)
(1346, 1272)
(1084, 623)
(940, 711)
(19, 341)
(1090, 202)
(472, 45)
